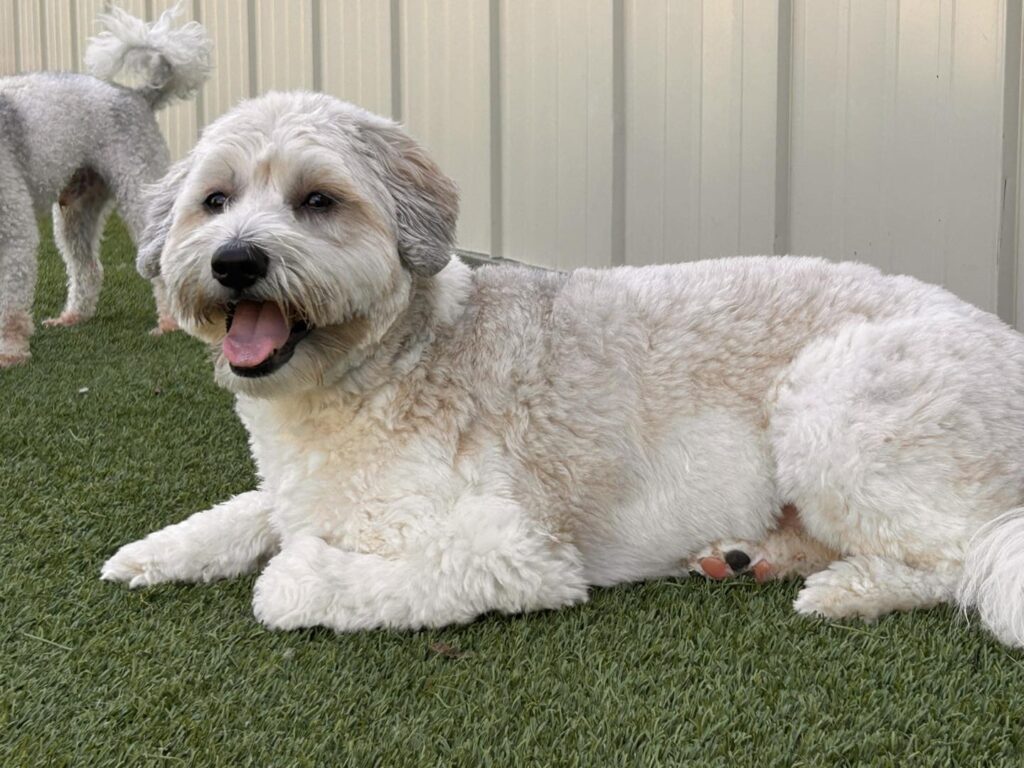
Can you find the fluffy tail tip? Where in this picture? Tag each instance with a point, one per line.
(172, 63)
(993, 582)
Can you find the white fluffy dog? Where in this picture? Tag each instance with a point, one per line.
(81, 143)
(434, 443)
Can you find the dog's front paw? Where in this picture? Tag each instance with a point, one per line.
(137, 564)
(291, 593)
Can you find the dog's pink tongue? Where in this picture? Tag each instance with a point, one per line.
(257, 329)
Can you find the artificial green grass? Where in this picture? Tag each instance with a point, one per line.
(108, 434)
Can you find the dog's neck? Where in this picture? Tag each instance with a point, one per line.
(434, 304)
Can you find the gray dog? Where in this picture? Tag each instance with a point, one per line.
(82, 144)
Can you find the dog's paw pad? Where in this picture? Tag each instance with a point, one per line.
(763, 571)
(725, 561)
(714, 568)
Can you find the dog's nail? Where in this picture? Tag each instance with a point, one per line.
(714, 568)
(762, 571)
(737, 560)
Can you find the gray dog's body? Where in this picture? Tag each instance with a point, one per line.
(82, 144)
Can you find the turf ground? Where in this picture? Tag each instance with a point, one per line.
(108, 434)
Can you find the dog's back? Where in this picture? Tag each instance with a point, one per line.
(87, 122)
(639, 379)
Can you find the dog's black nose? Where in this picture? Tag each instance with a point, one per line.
(737, 560)
(239, 265)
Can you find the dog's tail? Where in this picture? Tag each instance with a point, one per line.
(172, 63)
(993, 581)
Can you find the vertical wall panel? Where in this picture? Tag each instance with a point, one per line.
(30, 40)
(1013, 255)
(973, 153)
(557, 93)
(701, 82)
(228, 24)
(58, 35)
(758, 119)
(8, 34)
(355, 52)
(284, 45)
(722, 88)
(922, 85)
(896, 149)
(445, 87)
(862, 221)
(814, 225)
(663, 107)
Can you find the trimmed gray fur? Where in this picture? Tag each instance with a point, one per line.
(74, 145)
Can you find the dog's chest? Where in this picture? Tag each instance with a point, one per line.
(347, 479)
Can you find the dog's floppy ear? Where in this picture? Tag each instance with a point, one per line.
(159, 204)
(426, 201)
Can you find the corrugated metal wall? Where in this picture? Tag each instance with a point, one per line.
(601, 132)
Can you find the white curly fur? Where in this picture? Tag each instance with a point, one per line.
(81, 168)
(173, 62)
(445, 442)
(994, 576)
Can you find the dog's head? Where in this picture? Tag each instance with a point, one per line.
(290, 236)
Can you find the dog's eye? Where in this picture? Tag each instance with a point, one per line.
(215, 202)
(317, 201)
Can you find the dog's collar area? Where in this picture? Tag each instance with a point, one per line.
(280, 356)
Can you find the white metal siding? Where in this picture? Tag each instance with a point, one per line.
(355, 52)
(896, 145)
(556, 130)
(701, 113)
(603, 132)
(445, 90)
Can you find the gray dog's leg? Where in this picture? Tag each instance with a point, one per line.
(78, 220)
(19, 238)
(130, 203)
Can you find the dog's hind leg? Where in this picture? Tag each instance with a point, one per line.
(78, 219)
(19, 239)
(866, 587)
(487, 558)
(128, 188)
(896, 441)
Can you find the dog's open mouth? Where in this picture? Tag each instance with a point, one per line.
(259, 338)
